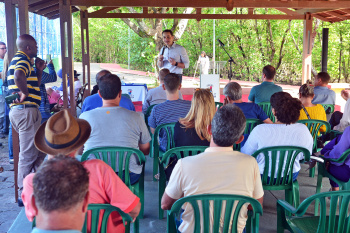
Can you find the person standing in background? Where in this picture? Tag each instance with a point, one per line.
(203, 60)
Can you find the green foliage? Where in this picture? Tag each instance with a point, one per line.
(252, 44)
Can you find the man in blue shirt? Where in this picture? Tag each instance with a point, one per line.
(264, 91)
(323, 95)
(169, 111)
(95, 100)
(233, 95)
(61, 195)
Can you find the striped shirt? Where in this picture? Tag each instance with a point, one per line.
(168, 112)
(21, 61)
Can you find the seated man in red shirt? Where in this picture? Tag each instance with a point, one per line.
(64, 134)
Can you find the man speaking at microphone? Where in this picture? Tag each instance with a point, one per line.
(172, 56)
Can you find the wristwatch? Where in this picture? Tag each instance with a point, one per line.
(176, 64)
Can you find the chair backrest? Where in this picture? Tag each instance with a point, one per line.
(266, 107)
(223, 209)
(250, 125)
(147, 114)
(114, 156)
(80, 95)
(280, 161)
(166, 129)
(93, 218)
(329, 108)
(181, 152)
(314, 128)
(103, 211)
(339, 201)
(218, 105)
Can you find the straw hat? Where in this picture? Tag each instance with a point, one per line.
(62, 134)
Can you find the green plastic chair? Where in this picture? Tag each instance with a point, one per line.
(314, 128)
(110, 155)
(156, 152)
(329, 221)
(329, 108)
(322, 172)
(179, 152)
(266, 107)
(222, 212)
(281, 177)
(147, 114)
(250, 125)
(94, 211)
(218, 105)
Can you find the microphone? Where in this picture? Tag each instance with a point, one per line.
(163, 50)
(220, 42)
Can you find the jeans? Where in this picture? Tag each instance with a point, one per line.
(134, 178)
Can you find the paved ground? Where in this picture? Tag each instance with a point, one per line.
(9, 210)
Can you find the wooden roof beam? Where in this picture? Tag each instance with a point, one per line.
(30, 2)
(347, 11)
(102, 11)
(43, 5)
(52, 13)
(322, 18)
(216, 4)
(335, 14)
(48, 10)
(195, 16)
(287, 11)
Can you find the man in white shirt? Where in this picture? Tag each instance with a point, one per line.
(172, 56)
(218, 170)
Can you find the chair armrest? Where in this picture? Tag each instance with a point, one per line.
(288, 207)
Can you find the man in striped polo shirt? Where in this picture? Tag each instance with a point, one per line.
(171, 110)
(24, 114)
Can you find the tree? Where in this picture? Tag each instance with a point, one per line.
(152, 28)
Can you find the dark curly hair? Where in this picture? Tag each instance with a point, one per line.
(287, 109)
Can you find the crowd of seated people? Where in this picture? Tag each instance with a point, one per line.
(106, 122)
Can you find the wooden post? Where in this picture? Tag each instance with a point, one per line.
(11, 28)
(84, 20)
(23, 17)
(307, 48)
(67, 54)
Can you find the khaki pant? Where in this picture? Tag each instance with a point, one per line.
(26, 121)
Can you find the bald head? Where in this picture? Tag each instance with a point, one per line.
(27, 44)
(100, 74)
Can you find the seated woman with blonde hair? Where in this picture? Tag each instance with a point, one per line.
(309, 110)
(192, 129)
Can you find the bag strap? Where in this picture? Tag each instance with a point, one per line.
(307, 114)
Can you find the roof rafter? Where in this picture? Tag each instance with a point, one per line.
(216, 4)
(195, 16)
